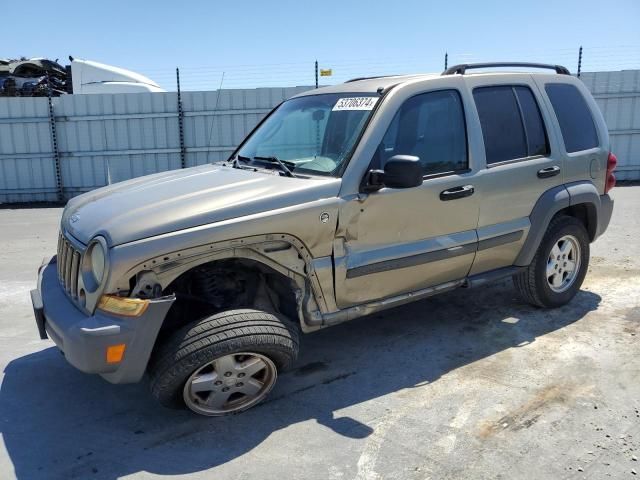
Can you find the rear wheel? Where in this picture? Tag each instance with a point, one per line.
(558, 269)
(225, 363)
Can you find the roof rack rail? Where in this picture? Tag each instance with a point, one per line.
(369, 78)
(463, 67)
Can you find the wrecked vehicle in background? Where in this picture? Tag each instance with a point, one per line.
(39, 77)
(31, 78)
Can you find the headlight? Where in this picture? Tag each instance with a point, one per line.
(126, 307)
(94, 265)
(97, 262)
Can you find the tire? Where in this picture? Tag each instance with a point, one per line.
(532, 283)
(236, 336)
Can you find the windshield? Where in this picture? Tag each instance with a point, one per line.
(313, 134)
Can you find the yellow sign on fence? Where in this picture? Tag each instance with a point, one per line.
(326, 72)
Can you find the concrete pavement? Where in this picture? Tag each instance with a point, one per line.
(469, 384)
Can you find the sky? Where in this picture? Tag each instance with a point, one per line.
(275, 43)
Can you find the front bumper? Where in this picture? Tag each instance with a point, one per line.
(84, 339)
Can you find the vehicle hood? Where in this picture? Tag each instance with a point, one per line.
(179, 199)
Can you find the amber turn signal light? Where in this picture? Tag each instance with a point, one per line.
(115, 353)
(126, 307)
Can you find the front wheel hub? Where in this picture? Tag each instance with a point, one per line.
(215, 389)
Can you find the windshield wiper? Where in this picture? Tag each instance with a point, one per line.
(287, 171)
(239, 157)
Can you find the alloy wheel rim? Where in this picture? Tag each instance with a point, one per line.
(563, 263)
(229, 383)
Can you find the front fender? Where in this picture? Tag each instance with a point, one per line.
(284, 253)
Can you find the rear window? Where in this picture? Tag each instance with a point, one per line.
(512, 126)
(574, 116)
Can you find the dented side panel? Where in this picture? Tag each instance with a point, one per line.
(299, 242)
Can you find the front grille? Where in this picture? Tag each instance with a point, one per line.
(68, 266)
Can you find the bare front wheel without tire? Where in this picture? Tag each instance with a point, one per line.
(559, 266)
(229, 383)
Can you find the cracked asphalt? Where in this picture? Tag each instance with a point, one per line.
(468, 384)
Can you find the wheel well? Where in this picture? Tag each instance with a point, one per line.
(226, 284)
(586, 213)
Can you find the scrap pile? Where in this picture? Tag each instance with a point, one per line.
(35, 77)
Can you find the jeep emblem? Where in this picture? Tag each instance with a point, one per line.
(324, 217)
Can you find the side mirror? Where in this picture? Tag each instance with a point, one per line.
(400, 171)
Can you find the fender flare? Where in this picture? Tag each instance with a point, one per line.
(585, 193)
(549, 204)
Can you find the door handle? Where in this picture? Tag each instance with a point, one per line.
(456, 192)
(549, 172)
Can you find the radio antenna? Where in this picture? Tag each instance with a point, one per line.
(213, 115)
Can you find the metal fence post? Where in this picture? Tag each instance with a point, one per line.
(316, 73)
(579, 61)
(183, 151)
(54, 143)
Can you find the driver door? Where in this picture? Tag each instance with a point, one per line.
(395, 241)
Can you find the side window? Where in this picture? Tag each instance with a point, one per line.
(512, 126)
(431, 127)
(574, 117)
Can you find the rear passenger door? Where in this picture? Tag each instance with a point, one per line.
(520, 166)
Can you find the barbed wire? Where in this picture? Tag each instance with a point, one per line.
(301, 73)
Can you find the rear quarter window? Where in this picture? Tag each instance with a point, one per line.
(574, 116)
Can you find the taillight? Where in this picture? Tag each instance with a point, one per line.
(612, 161)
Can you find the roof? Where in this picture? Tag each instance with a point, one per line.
(369, 85)
(374, 84)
